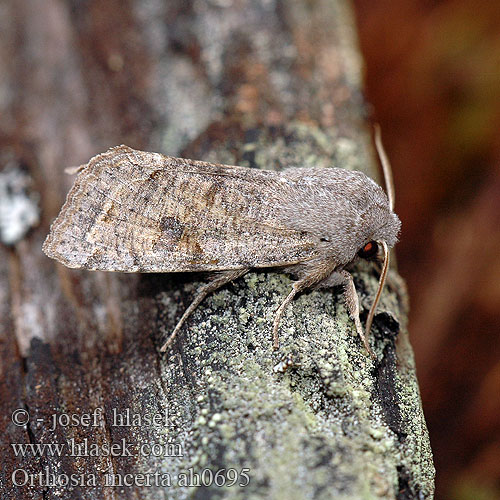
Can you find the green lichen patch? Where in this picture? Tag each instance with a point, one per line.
(317, 430)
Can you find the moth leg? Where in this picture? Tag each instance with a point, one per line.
(206, 289)
(352, 303)
(297, 287)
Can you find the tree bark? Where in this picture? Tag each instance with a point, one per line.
(265, 84)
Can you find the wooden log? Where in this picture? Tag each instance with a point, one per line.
(265, 84)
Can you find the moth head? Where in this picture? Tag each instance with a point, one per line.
(379, 224)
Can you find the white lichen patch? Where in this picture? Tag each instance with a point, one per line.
(19, 210)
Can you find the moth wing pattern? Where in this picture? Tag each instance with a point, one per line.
(136, 211)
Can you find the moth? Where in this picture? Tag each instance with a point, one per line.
(136, 211)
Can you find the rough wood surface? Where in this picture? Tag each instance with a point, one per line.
(264, 84)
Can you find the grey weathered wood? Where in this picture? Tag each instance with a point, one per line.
(266, 84)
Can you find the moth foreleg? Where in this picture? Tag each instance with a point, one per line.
(220, 280)
(296, 288)
(352, 303)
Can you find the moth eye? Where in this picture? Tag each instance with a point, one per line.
(369, 250)
(324, 238)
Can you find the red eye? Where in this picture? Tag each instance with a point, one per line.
(369, 250)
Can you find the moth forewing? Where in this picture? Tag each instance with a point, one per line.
(134, 211)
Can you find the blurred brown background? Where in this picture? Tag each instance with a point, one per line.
(433, 78)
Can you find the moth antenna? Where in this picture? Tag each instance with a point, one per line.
(386, 166)
(381, 283)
